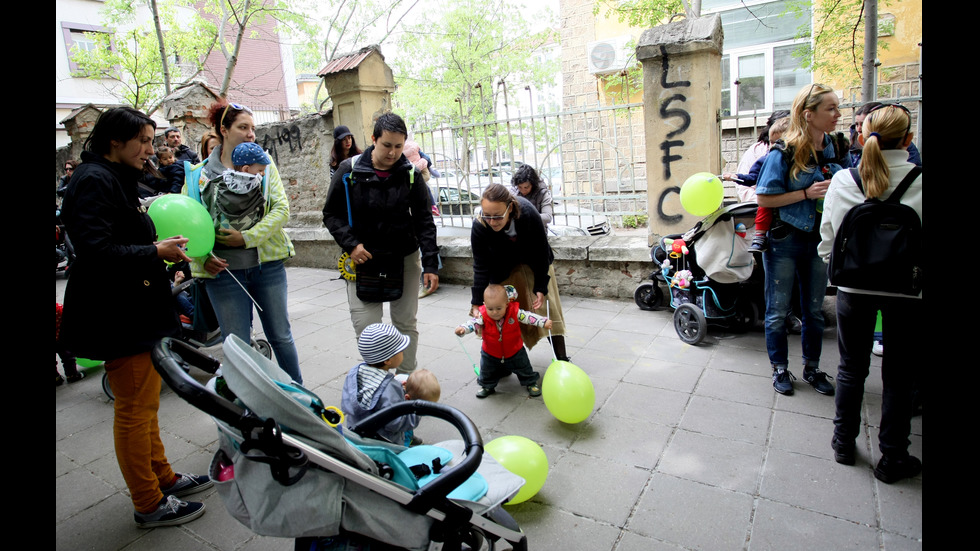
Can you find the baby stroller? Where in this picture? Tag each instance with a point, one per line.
(203, 331)
(711, 275)
(286, 468)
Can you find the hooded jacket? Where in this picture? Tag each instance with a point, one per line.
(387, 393)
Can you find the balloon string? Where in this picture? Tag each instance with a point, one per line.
(547, 313)
(475, 369)
(239, 283)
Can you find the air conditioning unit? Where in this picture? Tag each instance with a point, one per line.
(610, 55)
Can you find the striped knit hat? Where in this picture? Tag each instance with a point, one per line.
(379, 342)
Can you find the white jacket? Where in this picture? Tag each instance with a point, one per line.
(844, 194)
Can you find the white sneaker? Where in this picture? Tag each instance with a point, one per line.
(877, 349)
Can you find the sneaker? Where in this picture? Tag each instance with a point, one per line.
(877, 349)
(533, 390)
(760, 244)
(188, 484)
(171, 512)
(781, 381)
(843, 453)
(893, 470)
(484, 392)
(818, 380)
(78, 376)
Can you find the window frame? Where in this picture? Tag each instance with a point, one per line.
(68, 27)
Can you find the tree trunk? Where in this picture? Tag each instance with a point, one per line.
(163, 49)
(869, 68)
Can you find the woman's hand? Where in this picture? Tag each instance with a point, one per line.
(360, 255)
(214, 265)
(474, 311)
(230, 237)
(818, 190)
(538, 300)
(431, 281)
(172, 249)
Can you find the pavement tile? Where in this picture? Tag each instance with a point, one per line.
(687, 447)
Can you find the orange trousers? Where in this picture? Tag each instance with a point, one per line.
(136, 431)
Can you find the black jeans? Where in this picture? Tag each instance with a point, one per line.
(904, 356)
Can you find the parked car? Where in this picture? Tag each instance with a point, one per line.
(580, 217)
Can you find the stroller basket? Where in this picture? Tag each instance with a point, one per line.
(297, 476)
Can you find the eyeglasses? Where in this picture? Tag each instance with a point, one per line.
(810, 93)
(233, 106)
(899, 106)
(495, 218)
(69, 169)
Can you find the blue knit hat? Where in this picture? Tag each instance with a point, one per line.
(379, 342)
(249, 153)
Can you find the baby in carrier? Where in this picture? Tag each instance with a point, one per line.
(236, 199)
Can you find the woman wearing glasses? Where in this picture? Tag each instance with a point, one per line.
(885, 135)
(510, 247)
(793, 182)
(249, 264)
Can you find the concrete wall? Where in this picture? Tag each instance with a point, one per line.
(608, 267)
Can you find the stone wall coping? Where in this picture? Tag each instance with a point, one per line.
(609, 248)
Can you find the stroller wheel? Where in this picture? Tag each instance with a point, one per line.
(263, 347)
(106, 388)
(690, 324)
(648, 296)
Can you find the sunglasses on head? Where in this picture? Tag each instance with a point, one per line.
(897, 105)
(235, 106)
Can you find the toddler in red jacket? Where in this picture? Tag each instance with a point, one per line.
(503, 349)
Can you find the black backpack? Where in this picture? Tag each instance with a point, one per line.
(879, 245)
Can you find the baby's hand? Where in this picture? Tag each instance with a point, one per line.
(460, 331)
(547, 324)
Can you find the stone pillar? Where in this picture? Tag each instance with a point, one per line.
(682, 101)
(360, 86)
(187, 109)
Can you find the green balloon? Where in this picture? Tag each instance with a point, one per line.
(702, 194)
(568, 392)
(88, 363)
(524, 458)
(176, 214)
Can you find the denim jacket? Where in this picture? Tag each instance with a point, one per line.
(773, 180)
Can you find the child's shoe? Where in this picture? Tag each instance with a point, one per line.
(760, 244)
(484, 392)
(533, 390)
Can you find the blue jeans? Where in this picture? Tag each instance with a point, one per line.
(789, 256)
(267, 285)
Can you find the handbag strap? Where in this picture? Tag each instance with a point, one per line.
(900, 190)
(346, 178)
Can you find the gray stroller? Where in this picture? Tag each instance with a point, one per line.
(285, 467)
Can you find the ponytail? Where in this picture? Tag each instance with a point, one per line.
(885, 128)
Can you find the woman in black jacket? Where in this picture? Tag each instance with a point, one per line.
(510, 247)
(119, 275)
(389, 218)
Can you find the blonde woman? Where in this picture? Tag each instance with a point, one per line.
(885, 135)
(794, 177)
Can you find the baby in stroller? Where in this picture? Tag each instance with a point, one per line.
(371, 386)
(710, 273)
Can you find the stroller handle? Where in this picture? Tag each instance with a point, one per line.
(451, 478)
(168, 354)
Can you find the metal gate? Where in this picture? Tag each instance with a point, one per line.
(592, 159)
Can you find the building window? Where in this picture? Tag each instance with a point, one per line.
(74, 35)
(759, 44)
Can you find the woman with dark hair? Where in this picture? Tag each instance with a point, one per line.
(344, 147)
(794, 177)
(510, 247)
(114, 237)
(527, 184)
(755, 152)
(885, 137)
(378, 211)
(249, 264)
(70, 166)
